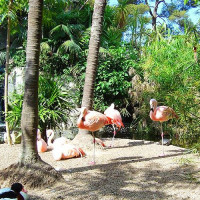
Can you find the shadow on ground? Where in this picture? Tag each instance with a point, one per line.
(122, 179)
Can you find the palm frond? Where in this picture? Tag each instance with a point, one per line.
(62, 30)
(69, 46)
(45, 47)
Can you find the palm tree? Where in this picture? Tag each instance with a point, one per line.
(30, 163)
(92, 59)
(122, 12)
(29, 122)
(92, 62)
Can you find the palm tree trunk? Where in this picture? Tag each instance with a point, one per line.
(30, 104)
(92, 59)
(92, 62)
(6, 73)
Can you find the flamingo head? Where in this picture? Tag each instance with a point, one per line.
(84, 111)
(49, 133)
(153, 104)
(112, 106)
(39, 134)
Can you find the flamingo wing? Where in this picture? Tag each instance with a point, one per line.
(67, 151)
(164, 113)
(114, 115)
(92, 121)
(41, 146)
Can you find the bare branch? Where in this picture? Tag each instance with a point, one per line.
(149, 8)
(83, 5)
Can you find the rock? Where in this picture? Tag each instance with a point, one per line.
(166, 142)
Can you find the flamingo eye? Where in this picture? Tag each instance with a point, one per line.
(83, 119)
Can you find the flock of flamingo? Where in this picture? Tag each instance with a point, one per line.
(93, 121)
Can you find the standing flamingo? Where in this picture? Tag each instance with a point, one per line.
(92, 121)
(41, 144)
(161, 114)
(116, 119)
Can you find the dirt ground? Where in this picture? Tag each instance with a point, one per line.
(131, 169)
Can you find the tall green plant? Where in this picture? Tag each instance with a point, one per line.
(55, 103)
(56, 100)
(169, 63)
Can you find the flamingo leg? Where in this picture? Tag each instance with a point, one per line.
(162, 135)
(93, 162)
(114, 133)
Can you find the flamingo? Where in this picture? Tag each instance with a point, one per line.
(57, 142)
(41, 144)
(61, 147)
(116, 119)
(92, 121)
(66, 151)
(16, 191)
(161, 114)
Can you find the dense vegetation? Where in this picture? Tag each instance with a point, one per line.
(135, 63)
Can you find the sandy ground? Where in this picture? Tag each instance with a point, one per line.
(130, 170)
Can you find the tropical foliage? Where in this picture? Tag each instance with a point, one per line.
(135, 63)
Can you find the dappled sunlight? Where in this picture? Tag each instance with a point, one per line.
(128, 171)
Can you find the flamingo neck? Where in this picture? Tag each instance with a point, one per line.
(49, 142)
(152, 114)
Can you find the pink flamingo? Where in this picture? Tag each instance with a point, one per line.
(92, 121)
(57, 142)
(67, 151)
(41, 144)
(161, 114)
(116, 119)
(61, 147)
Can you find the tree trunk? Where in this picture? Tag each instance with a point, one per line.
(29, 122)
(30, 167)
(154, 23)
(154, 13)
(92, 59)
(92, 62)
(6, 73)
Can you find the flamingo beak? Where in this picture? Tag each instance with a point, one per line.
(152, 106)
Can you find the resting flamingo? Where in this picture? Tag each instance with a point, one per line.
(66, 151)
(57, 142)
(61, 147)
(41, 144)
(92, 121)
(161, 114)
(116, 119)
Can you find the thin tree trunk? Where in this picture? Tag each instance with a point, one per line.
(154, 13)
(6, 74)
(30, 104)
